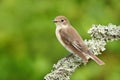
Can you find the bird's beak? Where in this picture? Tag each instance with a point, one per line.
(55, 21)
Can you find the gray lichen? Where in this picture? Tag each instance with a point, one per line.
(100, 36)
(106, 33)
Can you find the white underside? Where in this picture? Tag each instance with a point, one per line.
(59, 39)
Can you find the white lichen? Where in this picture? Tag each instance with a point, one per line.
(100, 36)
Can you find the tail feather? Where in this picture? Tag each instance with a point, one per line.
(95, 58)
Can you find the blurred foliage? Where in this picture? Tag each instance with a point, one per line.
(29, 48)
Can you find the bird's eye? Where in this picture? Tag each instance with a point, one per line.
(62, 20)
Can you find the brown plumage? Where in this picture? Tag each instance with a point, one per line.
(72, 41)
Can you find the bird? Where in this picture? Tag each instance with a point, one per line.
(70, 39)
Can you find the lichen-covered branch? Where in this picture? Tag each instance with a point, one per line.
(100, 36)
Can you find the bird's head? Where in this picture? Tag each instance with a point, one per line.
(61, 21)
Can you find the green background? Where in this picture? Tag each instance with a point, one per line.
(29, 48)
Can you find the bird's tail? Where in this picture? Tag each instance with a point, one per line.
(95, 58)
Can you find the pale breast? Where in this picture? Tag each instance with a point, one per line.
(59, 37)
(60, 40)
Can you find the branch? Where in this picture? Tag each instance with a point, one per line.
(100, 36)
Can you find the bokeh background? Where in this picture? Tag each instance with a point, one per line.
(29, 48)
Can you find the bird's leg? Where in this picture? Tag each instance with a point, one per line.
(68, 56)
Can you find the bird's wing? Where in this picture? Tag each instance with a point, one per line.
(76, 39)
(69, 39)
(65, 37)
(76, 43)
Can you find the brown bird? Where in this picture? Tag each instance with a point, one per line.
(72, 41)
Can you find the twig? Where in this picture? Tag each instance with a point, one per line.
(100, 36)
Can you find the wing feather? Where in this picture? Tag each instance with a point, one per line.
(73, 44)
